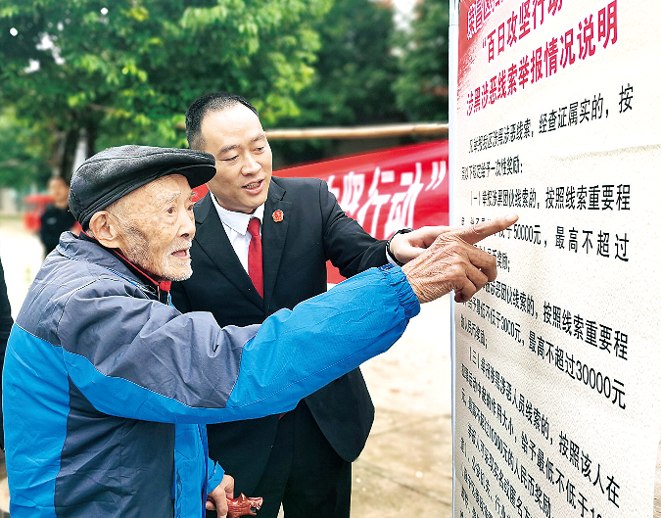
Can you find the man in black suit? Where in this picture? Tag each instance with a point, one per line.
(303, 458)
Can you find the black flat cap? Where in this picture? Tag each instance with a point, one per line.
(110, 175)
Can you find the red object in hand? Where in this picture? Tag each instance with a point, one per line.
(243, 505)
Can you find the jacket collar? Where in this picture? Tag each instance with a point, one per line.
(87, 248)
(274, 234)
(237, 221)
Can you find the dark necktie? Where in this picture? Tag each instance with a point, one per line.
(255, 269)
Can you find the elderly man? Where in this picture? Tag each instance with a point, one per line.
(107, 386)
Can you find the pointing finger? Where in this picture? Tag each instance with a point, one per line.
(476, 233)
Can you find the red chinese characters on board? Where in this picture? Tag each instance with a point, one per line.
(560, 51)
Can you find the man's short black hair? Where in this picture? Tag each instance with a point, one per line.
(216, 101)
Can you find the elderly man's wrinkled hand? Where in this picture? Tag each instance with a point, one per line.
(453, 263)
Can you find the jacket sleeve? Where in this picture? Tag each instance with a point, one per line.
(214, 474)
(346, 244)
(141, 359)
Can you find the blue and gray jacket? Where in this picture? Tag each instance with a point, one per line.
(106, 389)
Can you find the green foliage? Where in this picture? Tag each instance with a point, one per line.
(127, 70)
(354, 69)
(422, 86)
(354, 73)
(21, 162)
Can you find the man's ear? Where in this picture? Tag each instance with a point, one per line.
(105, 228)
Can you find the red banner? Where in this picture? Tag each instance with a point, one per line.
(387, 190)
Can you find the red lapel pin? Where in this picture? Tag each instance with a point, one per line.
(278, 216)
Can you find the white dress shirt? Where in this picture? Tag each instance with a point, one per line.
(236, 228)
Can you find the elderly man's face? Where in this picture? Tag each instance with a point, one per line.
(235, 137)
(157, 226)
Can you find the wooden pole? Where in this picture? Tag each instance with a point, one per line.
(358, 132)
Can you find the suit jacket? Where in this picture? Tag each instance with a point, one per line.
(295, 250)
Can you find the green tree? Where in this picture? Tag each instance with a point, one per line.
(422, 88)
(125, 71)
(355, 68)
(354, 72)
(22, 162)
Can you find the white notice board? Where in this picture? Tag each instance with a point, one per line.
(556, 364)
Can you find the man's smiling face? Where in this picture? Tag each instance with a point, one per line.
(234, 136)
